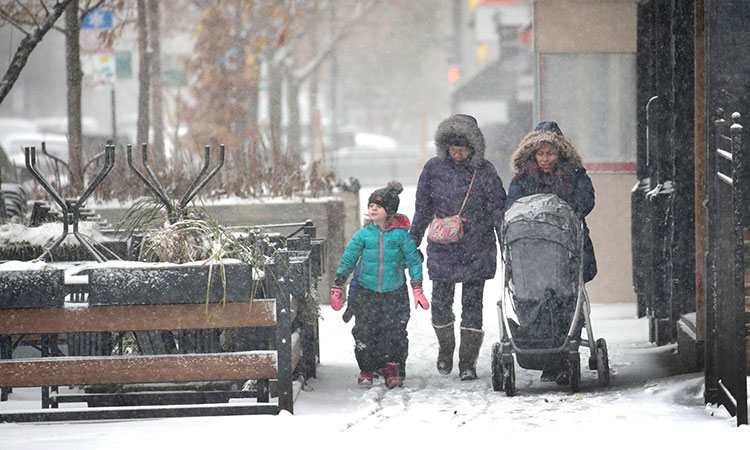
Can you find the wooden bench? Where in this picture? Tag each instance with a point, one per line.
(192, 313)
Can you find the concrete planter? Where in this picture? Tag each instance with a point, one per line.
(23, 289)
(336, 218)
(169, 284)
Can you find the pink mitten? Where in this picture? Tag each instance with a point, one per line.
(336, 301)
(420, 299)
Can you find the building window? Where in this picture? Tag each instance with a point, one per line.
(593, 98)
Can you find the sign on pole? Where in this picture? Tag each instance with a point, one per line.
(95, 22)
(98, 19)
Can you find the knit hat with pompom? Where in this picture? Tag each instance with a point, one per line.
(387, 197)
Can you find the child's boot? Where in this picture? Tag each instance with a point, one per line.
(365, 379)
(390, 373)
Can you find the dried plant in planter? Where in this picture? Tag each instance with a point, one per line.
(196, 237)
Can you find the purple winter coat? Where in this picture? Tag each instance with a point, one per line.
(441, 190)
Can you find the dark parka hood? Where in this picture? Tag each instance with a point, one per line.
(460, 129)
(568, 155)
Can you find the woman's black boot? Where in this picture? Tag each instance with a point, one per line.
(447, 345)
(468, 353)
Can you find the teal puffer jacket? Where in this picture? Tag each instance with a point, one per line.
(385, 254)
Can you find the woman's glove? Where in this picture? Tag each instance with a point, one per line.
(336, 299)
(419, 297)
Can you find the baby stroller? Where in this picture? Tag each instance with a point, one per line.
(543, 256)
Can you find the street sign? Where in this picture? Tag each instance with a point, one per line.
(94, 24)
(123, 65)
(99, 68)
(98, 19)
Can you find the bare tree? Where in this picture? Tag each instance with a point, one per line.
(74, 16)
(74, 82)
(34, 22)
(35, 19)
(238, 38)
(144, 80)
(295, 61)
(157, 108)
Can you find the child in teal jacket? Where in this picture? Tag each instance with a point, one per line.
(382, 250)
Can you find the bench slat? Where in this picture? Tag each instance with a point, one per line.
(138, 412)
(259, 313)
(138, 369)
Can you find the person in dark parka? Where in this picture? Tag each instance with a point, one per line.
(546, 162)
(472, 260)
(561, 172)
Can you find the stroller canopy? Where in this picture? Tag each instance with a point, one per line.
(544, 217)
(541, 249)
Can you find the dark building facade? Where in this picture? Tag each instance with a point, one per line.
(688, 207)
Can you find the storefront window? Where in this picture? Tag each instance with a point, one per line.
(592, 96)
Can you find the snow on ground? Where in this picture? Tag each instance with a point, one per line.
(650, 402)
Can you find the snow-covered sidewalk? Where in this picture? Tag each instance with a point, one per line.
(649, 401)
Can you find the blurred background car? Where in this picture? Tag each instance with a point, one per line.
(52, 162)
(375, 159)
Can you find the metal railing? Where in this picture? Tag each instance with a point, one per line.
(725, 357)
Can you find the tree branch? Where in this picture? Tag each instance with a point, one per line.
(27, 45)
(305, 71)
(31, 15)
(89, 8)
(13, 22)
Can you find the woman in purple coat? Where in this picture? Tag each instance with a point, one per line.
(443, 186)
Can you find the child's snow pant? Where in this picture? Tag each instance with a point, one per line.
(380, 328)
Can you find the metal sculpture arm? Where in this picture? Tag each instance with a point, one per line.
(193, 190)
(30, 155)
(158, 193)
(109, 162)
(158, 190)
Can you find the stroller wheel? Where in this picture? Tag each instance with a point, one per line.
(602, 362)
(574, 370)
(497, 367)
(509, 378)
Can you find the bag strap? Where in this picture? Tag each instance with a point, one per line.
(467, 192)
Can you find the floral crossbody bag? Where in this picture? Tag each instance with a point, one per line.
(449, 229)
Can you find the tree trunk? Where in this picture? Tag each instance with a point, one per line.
(27, 45)
(294, 130)
(3, 212)
(314, 136)
(75, 79)
(252, 104)
(315, 140)
(274, 105)
(143, 76)
(333, 87)
(157, 108)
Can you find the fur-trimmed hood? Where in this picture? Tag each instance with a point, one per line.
(568, 155)
(464, 129)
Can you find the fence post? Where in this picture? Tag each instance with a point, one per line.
(283, 333)
(711, 377)
(739, 360)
